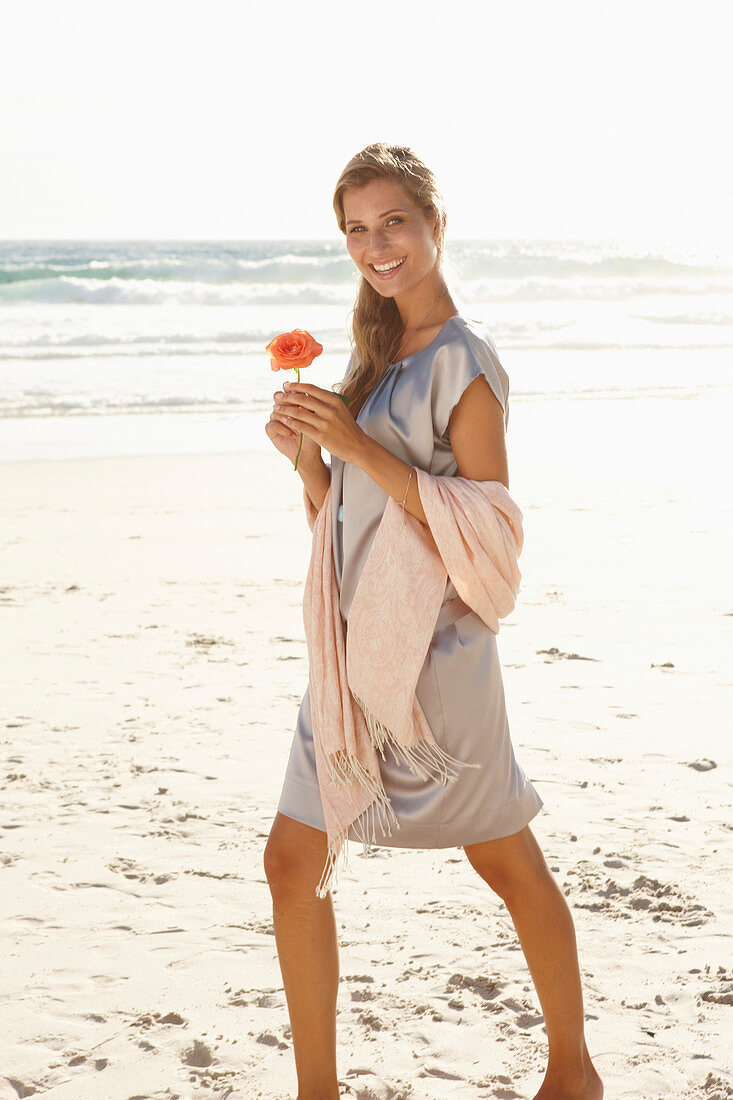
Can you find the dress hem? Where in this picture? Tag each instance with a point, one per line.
(503, 821)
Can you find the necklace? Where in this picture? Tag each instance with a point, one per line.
(407, 340)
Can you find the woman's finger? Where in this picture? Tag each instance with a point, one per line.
(292, 406)
(302, 387)
(299, 417)
(307, 389)
(293, 402)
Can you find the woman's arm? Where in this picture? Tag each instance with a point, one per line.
(477, 438)
(316, 478)
(391, 473)
(476, 429)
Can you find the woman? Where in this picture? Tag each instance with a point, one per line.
(425, 388)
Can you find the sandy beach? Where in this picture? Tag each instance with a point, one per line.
(152, 664)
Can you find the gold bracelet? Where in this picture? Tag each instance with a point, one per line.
(405, 496)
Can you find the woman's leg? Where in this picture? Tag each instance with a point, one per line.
(307, 947)
(515, 868)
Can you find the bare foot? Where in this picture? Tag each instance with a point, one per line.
(590, 1089)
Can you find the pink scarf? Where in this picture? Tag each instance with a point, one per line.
(363, 679)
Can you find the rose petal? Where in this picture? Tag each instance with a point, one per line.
(293, 350)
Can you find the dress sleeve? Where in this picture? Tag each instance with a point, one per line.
(456, 366)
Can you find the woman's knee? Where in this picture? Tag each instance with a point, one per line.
(509, 864)
(294, 856)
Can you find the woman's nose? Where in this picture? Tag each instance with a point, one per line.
(377, 240)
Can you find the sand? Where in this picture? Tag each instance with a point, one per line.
(152, 664)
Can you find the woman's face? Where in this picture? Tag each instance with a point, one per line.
(383, 225)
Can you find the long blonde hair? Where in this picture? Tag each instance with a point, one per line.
(376, 328)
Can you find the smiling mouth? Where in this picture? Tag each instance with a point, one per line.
(387, 269)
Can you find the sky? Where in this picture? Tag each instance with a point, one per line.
(224, 119)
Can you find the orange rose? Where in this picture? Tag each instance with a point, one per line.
(293, 350)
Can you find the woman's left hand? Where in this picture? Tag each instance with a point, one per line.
(322, 416)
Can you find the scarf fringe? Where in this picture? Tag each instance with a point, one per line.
(426, 760)
(344, 768)
(329, 877)
(378, 813)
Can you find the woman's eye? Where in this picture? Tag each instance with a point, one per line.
(395, 219)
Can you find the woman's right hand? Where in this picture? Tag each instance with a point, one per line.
(287, 441)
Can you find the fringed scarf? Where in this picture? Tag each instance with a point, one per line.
(363, 679)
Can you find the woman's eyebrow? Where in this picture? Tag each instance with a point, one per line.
(397, 210)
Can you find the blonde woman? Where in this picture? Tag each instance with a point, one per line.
(425, 388)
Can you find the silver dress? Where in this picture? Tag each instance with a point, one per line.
(460, 687)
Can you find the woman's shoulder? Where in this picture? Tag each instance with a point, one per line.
(467, 352)
(475, 335)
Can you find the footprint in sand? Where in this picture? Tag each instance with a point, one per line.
(369, 1021)
(205, 641)
(131, 871)
(21, 1089)
(715, 1088)
(364, 1084)
(721, 987)
(435, 1070)
(487, 988)
(702, 765)
(269, 1040)
(362, 995)
(524, 1016)
(501, 1085)
(152, 1019)
(257, 998)
(556, 654)
(200, 1059)
(645, 897)
(197, 1055)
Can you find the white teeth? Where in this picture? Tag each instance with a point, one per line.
(388, 267)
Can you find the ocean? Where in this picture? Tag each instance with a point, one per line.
(145, 347)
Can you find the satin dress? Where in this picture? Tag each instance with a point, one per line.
(460, 686)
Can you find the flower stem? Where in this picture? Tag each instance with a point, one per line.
(297, 371)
